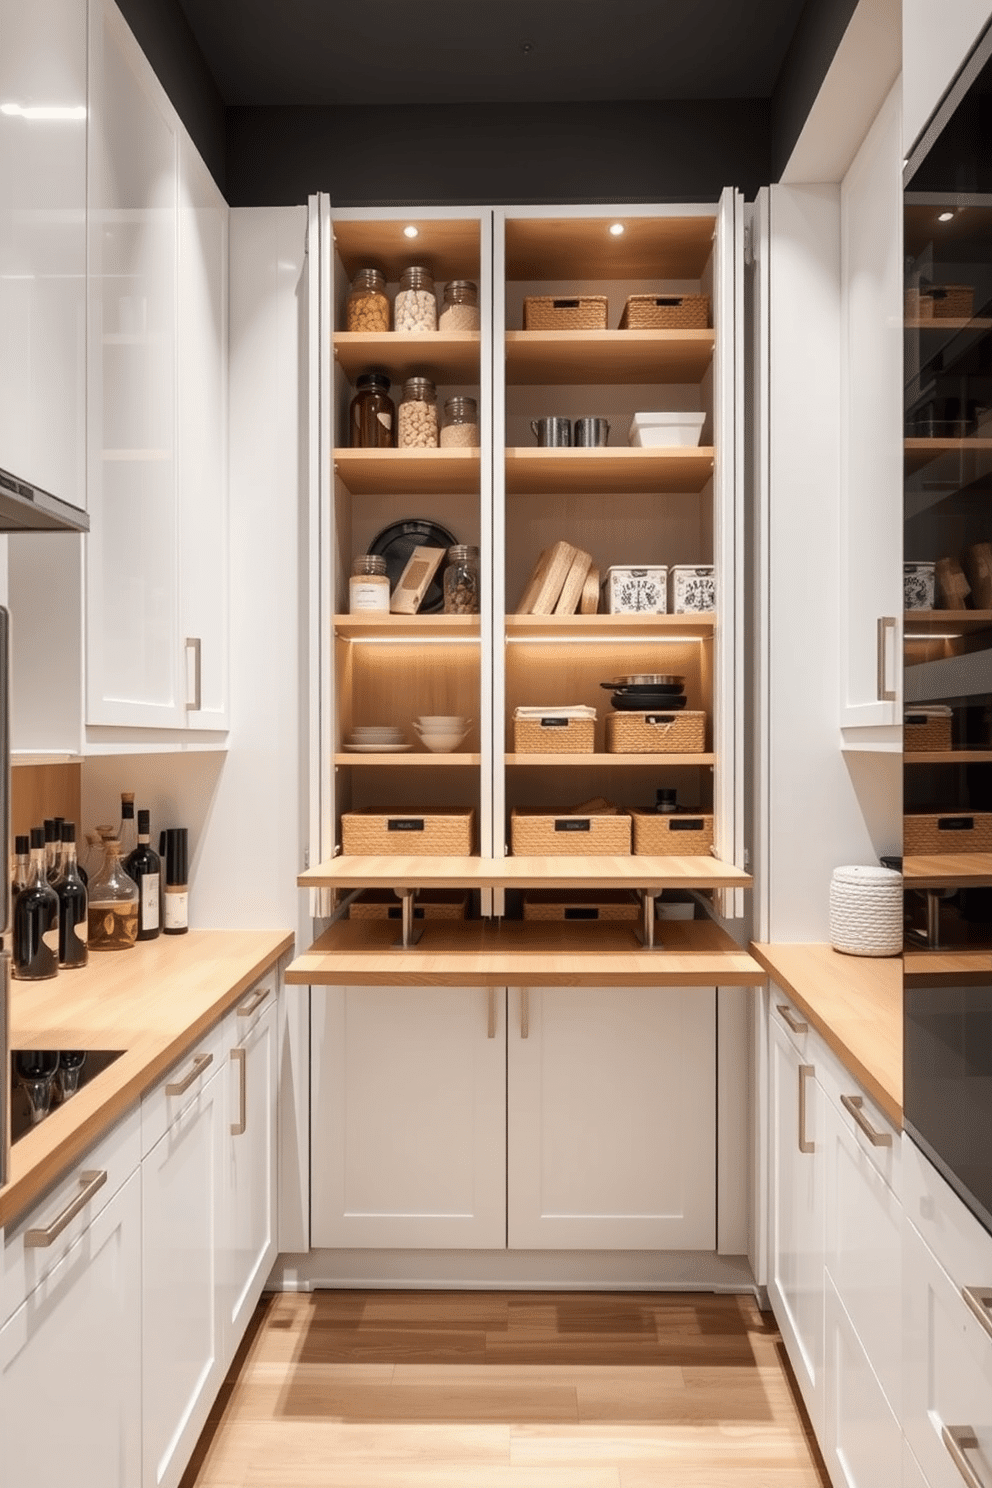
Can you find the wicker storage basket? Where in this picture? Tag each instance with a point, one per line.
(565, 312)
(666, 312)
(866, 911)
(656, 733)
(947, 302)
(926, 833)
(923, 730)
(371, 833)
(533, 834)
(430, 904)
(581, 904)
(554, 735)
(676, 834)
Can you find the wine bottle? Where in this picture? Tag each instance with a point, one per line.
(55, 857)
(22, 862)
(51, 845)
(73, 905)
(125, 832)
(173, 847)
(145, 867)
(35, 948)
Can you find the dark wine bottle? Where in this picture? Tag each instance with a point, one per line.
(22, 864)
(144, 866)
(51, 846)
(173, 846)
(71, 891)
(36, 920)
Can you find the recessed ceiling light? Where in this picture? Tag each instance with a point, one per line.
(411, 231)
(945, 216)
(616, 228)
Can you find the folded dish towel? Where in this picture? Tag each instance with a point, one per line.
(557, 710)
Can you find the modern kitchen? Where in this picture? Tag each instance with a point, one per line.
(494, 538)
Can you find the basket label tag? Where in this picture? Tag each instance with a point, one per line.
(405, 824)
(554, 723)
(565, 304)
(686, 824)
(659, 718)
(582, 911)
(573, 824)
(956, 824)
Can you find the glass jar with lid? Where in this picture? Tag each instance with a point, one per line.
(461, 424)
(368, 587)
(417, 415)
(113, 903)
(461, 581)
(372, 416)
(416, 302)
(460, 311)
(367, 308)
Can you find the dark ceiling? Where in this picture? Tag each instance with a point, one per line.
(418, 52)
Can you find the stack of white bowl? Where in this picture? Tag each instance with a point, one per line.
(375, 736)
(441, 733)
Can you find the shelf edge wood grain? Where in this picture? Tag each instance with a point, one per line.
(408, 472)
(354, 872)
(443, 356)
(550, 358)
(666, 471)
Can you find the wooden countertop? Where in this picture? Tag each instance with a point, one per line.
(153, 1002)
(355, 871)
(855, 1004)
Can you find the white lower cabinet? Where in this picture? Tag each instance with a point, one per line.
(862, 1440)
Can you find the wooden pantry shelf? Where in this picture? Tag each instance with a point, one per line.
(564, 249)
(608, 627)
(396, 872)
(950, 871)
(948, 757)
(625, 761)
(451, 246)
(922, 452)
(949, 966)
(370, 627)
(952, 323)
(408, 472)
(443, 356)
(549, 358)
(573, 470)
(500, 953)
(401, 761)
(924, 623)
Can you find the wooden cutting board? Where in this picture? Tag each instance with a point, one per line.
(589, 603)
(541, 594)
(574, 585)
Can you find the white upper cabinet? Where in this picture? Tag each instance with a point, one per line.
(43, 244)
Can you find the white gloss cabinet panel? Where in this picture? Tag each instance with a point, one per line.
(70, 1361)
(43, 245)
(611, 1107)
(249, 1170)
(408, 1117)
(862, 1440)
(937, 36)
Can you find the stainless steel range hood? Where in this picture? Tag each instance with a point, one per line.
(26, 508)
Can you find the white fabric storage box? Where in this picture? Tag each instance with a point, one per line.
(656, 429)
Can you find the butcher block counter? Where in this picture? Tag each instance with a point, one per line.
(153, 1002)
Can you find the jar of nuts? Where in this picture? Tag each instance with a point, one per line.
(460, 311)
(417, 415)
(416, 304)
(461, 581)
(461, 424)
(367, 308)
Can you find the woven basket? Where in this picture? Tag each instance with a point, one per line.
(445, 833)
(554, 735)
(431, 904)
(866, 911)
(925, 833)
(581, 904)
(656, 733)
(565, 312)
(921, 732)
(663, 312)
(533, 834)
(947, 302)
(679, 834)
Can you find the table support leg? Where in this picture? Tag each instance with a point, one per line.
(410, 933)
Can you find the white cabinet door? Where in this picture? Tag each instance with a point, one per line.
(408, 1103)
(135, 674)
(70, 1362)
(182, 1363)
(249, 1172)
(611, 1101)
(796, 1200)
(862, 1442)
(937, 36)
(43, 244)
(203, 511)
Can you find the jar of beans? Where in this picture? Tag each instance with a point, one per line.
(417, 415)
(461, 424)
(416, 303)
(460, 311)
(372, 417)
(461, 581)
(367, 308)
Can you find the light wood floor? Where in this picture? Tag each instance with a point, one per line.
(508, 1390)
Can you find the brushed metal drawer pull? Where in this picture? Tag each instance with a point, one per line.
(492, 1013)
(854, 1103)
(806, 1072)
(91, 1181)
(179, 1087)
(524, 1012)
(958, 1440)
(239, 1127)
(796, 1024)
(884, 692)
(979, 1299)
(254, 1003)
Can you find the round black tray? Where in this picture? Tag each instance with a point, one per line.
(396, 542)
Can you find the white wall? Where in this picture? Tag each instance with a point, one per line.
(937, 36)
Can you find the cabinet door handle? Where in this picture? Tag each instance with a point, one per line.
(180, 1087)
(796, 1024)
(979, 1299)
(885, 623)
(492, 1013)
(806, 1073)
(525, 1012)
(958, 1440)
(91, 1181)
(193, 643)
(239, 1127)
(854, 1104)
(254, 1002)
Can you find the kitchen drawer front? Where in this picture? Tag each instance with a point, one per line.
(25, 1262)
(863, 1250)
(181, 1085)
(251, 1006)
(960, 1243)
(948, 1371)
(883, 1150)
(795, 1025)
(862, 1441)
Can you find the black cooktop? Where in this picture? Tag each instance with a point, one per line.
(94, 1063)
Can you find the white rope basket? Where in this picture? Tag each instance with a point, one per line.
(866, 911)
